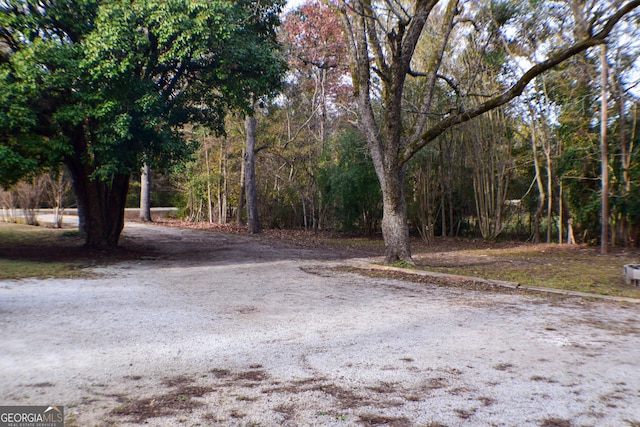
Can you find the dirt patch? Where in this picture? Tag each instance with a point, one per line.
(251, 376)
(179, 399)
(556, 422)
(49, 245)
(452, 281)
(345, 398)
(381, 420)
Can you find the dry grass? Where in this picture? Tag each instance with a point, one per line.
(574, 268)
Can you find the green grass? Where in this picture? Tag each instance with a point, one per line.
(11, 234)
(21, 269)
(401, 264)
(574, 269)
(28, 251)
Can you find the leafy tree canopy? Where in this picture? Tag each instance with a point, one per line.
(100, 85)
(126, 75)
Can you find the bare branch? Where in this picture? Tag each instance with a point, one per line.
(434, 62)
(451, 84)
(517, 88)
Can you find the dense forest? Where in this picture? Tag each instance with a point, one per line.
(514, 119)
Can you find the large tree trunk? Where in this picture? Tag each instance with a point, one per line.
(100, 208)
(384, 135)
(100, 203)
(253, 222)
(395, 231)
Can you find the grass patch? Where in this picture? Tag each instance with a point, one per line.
(401, 264)
(14, 234)
(30, 251)
(21, 269)
(561, 267)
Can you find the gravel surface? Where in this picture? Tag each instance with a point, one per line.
(221, 329)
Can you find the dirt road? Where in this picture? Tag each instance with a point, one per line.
(220, 329)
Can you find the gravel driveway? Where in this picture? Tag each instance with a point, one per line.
(220, 329)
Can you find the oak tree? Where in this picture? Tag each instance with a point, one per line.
(382, 37)
(102, 85)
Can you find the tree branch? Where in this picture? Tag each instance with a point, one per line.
(518, 87)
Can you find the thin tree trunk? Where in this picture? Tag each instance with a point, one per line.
(547, 148)
(145, 193)
(625, 163)
(219, 187)
(253, 221)
(241, 196)
(540, 186)
(560, 213)
(449, 182)
(547, 155)
(571, 240)
(304, 212)
(208, 166)
(443, 191)
(604, 161)
(323, 108)
(223, 186)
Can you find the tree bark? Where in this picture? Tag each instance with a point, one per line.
(253, 222)
(540, 186)
(223, 186)
(100, 202)
(100, 208)
(241, 195)
(145, 194)
(394, 220)
(604, 161)
(208, 167)
(571, 240)
(547, 156)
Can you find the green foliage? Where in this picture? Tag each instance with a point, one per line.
(350, 184)
(502, 11)
(578, 168)
(104, 86)
(125, 77)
